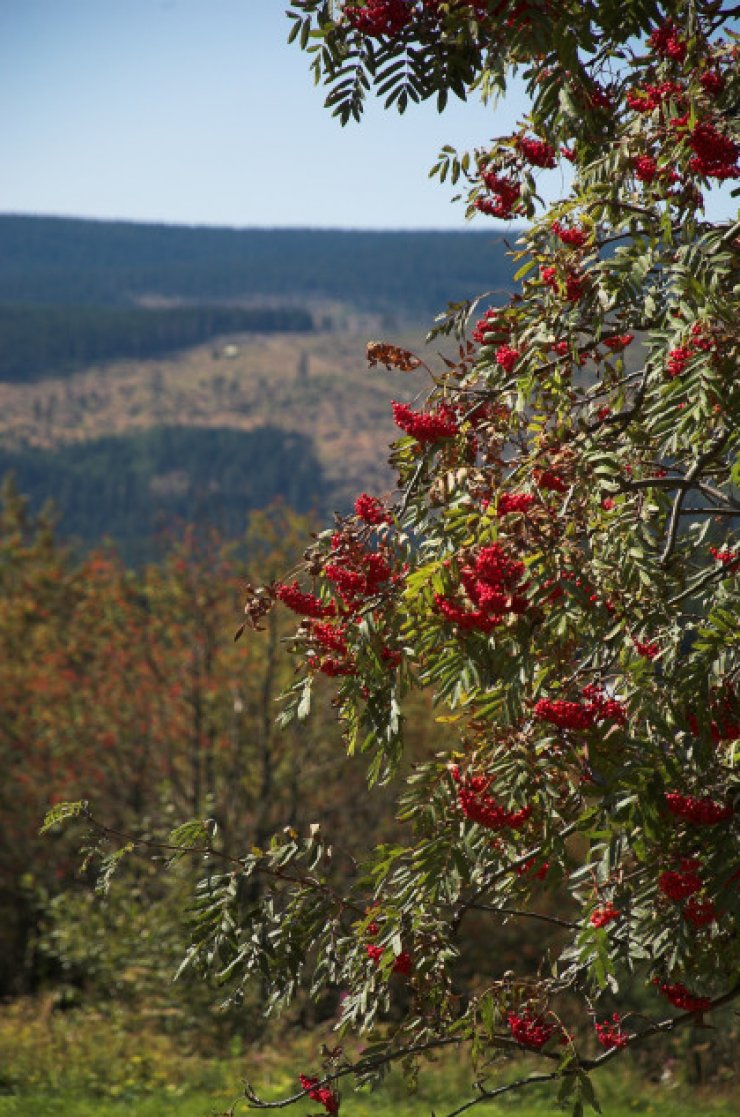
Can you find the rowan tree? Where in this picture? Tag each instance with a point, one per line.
(558, 569)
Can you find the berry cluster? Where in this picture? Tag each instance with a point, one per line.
(618, 341)
(725, 556)
(305, 604)
(504, 196)
(680, 996)
(564, 714)
(330, 637)
(377, 18)
(482, 808)
(507, 357)
(677, 884)
(537, 152)
(425, 426)
(514, 502)
(700, 812)
(572, 284)
(645, 168)
(580, 715)
(601, 917)
(371, 510)
(651, 97)
(530, 1031)
(715, 155)
(356, 572)
(402, 964)
(489, 329)
(680, 355)
(322, 1094)
(574, 235)
(548, 479)
(604, 709)
(667, 43)
(610, 1034)
(712, 82)
(491, 583)
(647, 648)
(699, 912)
(530, 867)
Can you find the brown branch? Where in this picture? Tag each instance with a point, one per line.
(364, 1066)
(526, 915)
(688, 482)
(238, 863)
(488, 1095)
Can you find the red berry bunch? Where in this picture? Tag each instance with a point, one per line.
(610, 1034)
(601, 917)
(371, 510)
(537, 152)
(645, 168)
(504, 196)
(725, 556)
(478, 806)
(491, 582)
(715, 155)
(490, 328)
(564, 714)
(548, 479)
(507, 357)
(712, 82)
(647, 648)
(698, 912)
(514, 502)
(574, 236)
(651, 97)
(680, 996)
(699, 812)
(322, 1094)
(426, 426)
(356, 572)
(530, 1031)
(667, 43)
(402, 964)
(677, 884)
(573, 284)
(305, 604)
(378, 18)
(618, 341)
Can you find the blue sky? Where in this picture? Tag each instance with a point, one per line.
(197, 111)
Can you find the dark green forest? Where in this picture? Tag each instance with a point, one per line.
(38, 341)
(140, 488)
(68, 262)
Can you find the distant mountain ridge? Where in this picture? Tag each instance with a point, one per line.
(69, 261)
(153, 373)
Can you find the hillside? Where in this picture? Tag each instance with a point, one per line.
(306, 402)
(155, 373)
(62, 261)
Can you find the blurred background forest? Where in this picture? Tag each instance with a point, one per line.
(179, 407)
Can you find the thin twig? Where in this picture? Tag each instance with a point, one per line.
(526, 915)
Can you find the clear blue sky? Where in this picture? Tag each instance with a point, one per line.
(197, 111)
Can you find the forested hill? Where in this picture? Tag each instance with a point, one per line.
(63, 261)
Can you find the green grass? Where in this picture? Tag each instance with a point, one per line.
(383, 1103)
(88, 1063)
